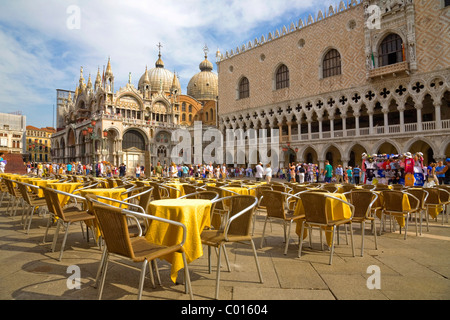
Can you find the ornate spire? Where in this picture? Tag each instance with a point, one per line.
(89, 83)
(82, 85)
(98, 79)
(108, 68)
(159, 63)
(146, 77)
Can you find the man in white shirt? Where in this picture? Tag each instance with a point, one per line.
(259, 172)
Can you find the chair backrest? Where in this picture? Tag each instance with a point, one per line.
(114, 229)
(275, 203)
(56, 205)
(206, 195)
(443, 195)
(110, 183)
(278, 187)
(433, 196)
(259, 192)
(368, 186)
(381, 186)
(330, 188)
(241, 224)
(314, 204)
(398, 187)
(420, 194)
(363, 201)
(220, 205)
(13, 191)
(189, 189)
(24, 192)
(48, 200)
(393, 200)
(298, 188)
(348, 187)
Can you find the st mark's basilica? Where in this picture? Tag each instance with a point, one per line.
(132, 125)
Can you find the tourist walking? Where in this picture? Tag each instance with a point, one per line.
(328, 172)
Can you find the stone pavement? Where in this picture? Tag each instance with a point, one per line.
(415, 268)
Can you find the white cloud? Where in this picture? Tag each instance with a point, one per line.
(38, 45)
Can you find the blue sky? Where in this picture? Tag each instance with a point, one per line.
(43, 46)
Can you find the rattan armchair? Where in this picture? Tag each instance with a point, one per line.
(236, 229)
(277, 207)
(422, 195)
(33, 201)
(363, 202)
(67, 215)
(15, 197)
(393, 206)
(114, 227)
(316, 215)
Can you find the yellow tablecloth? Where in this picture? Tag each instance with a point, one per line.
(179, 186)
(335, 209)
(241, 190)
(108, 193)
(68, 187)
(194, 214)
(41, 183)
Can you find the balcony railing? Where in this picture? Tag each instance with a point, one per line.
(396, 68)
(377, 130)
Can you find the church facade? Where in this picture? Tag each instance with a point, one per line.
(132, 125)
(369, 76)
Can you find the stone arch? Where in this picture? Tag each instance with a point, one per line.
(409, 144)
(381, 142)
(326, 148)
(308, 154)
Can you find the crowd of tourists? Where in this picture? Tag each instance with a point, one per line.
(407, 169)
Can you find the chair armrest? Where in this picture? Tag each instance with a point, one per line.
(119, 201)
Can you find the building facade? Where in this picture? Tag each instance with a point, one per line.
(365, 77)
(12, 132)
(132, 125)
(38, 144)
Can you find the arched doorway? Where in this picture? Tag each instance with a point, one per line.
(133, 147)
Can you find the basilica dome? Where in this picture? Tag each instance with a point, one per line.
(159, 77)
(205, 84)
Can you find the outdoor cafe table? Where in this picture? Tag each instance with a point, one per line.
(177, 185)
(41, 183)
(194, 214)
(241, 190)
(336, 210)
(68, 187)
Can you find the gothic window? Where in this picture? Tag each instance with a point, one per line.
(282, 77)
(190, 108)
(331, 64)
(183, 107)
(390, 50)
(244, 88)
